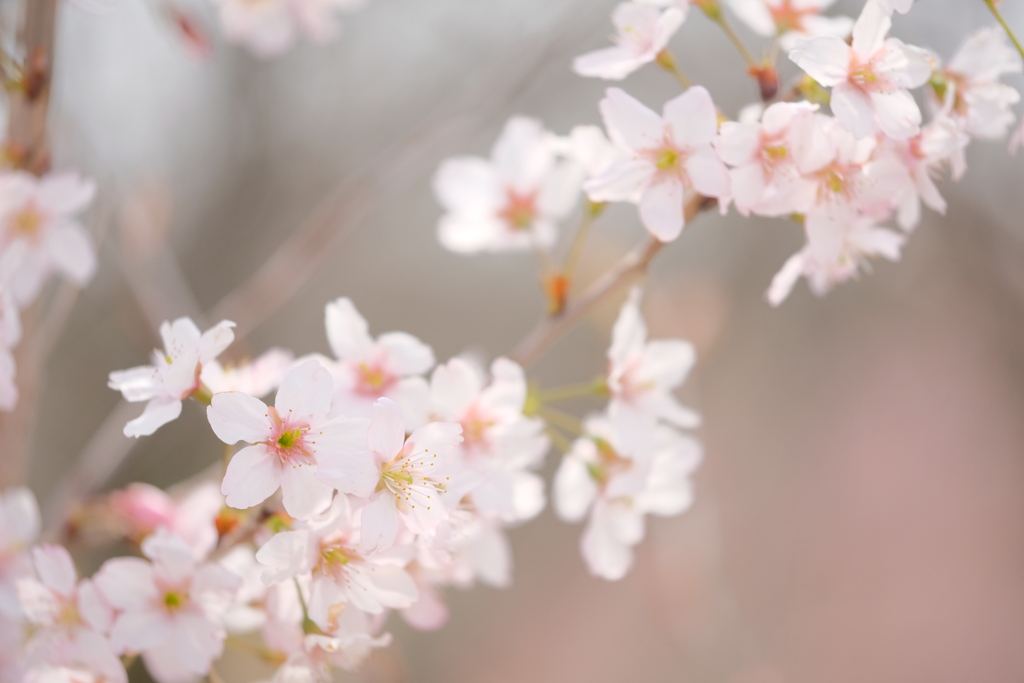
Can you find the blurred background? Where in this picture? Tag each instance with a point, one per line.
(859, 514)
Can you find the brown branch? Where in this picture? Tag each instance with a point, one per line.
(633, 265)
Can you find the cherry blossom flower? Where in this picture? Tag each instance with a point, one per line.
(39, 232)
(10, 335)
(269, 28)
(169, 608)
(174, 374)
(406, 480)
(642, 374)
(642, 31)
(256, 378)
(666, 155)
(70, 618)
(765, 175)
(510, 202)
(288, 440)
(327, 548)
(791, 20)
(19, 529)
(969, 88)
(869, 79)
(143, 509)
(366, 369)
(346, 648)
(620, 478)
(838, 246)
(499, 443)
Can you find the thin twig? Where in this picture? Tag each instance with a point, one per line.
(1006, 27)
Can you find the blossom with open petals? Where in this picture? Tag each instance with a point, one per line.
(174, 374)
(664, 156)
(791, 20)
(870, 79)
(142, 509)
(641, 32)
(257, 378)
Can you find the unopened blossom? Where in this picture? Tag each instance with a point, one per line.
(642, 374)
(619, 478)
(406, 481)
(142, 509)
(366, 369)
(174, 374)
(269, 28)
(19, 529)
(257, 378)
(969, 87)
(327, 549)
(512, 201)
(39, 233)
(764, 174)
(791, 20)
(10, 335)
(871, 78)
(500, 443)
(71, 618)
(839, 244)
(664, 156)
(288, 440)
(641, 32)
(169, 608)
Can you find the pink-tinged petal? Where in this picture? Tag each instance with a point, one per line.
(468, 185)
(215, 340)
(235, 417)
(708, 175)
(664, 406)
(521, 153)
(135, 384)
(629, 333)
(140, 630)
(453, 386)
(748, 185)
(464, 234)
(407, 354)
(302, 493)
(575, 489)
(930, 194)
(870, 30)
(287, 554)
(195, 642)
(666, 363)
(429, 613)
(387, 429)
(629, 123)
(738, 143)
(94, 609)
(24, 269)
(56, 569)
(661, 208)
(65, 192)
(897, 114)
(691, 118)
(41, 606)
(378, 523)
(347, 331)
(755, 14)
(393, 587)
(606, 556)
(171, 557)
(127, 583)
(852, 106)
(95, 652)
(306, 390)
(785, 279)
(72, 252)
(356, 474)
(624, 181)
(492, 557)
(610, 63)
(252, 476)
(19, 515)
(158, 412)
(180, 337)
(340, 436)
(825, 59)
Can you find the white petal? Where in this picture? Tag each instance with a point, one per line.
(126, 582)
(140, 630)
(575, 489)
(72, 252)
(468, 185)
(65, 193)
(897, 114)
(347, 331)
(707, 173)
(302, 493)
(306, 390)
(215, 340)
(852, 106)
(55, 568)
(825, 59)
(286, 554)
(356, 474)
(870, 30)
(235, 417)
(158, 412)
(387, 429)
(408, 355)
(252, 476)
(785, 279)
(661, 208)
(622, 181)
(379, 522)
(629, 123)
(691, 118)
(610, 63)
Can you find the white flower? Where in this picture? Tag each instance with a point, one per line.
(39, 232)
(169, 609)
(500, 444)
(642, 374)
(405, 480)
(869, 79)
(256, 378)
(791, 20)
(510, 202)
(70, 618)
(619, 479)
(969, 88)
(19, 529)
(10, 335)
(289, 438)
(346, 648)
(269, 28)
(143, 509)
(666, 155)
(174, 374)
(838, 245)
(365, 369)
(642, 31)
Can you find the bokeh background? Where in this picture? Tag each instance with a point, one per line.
(859, 514)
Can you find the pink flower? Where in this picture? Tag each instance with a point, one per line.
(19, 529)
(406, 481)
(665, 156)
(169, 608)
(289, 439)
(256, 378)
(174, 374)
(642, 374)
(143, 509)
(346, 648)
(642, 31)
(70, 618)
(510, 202)
(791, 20)
(869, 79)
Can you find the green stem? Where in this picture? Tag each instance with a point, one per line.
(590, 214)
(1006, 27)
(668, 62)
(561, 443)
(597, 387)
(563, 421)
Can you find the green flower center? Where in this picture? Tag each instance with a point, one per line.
(667, 158)
(290, 438)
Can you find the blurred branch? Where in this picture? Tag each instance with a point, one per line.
(632, 266)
